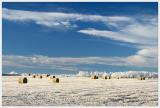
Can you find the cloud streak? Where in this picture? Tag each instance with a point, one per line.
(141, 32)
(145, 35)
(68, 63)
(58, 19)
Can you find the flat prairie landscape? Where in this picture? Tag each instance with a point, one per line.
(79, 91)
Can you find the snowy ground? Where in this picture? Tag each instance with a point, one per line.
(81, 91)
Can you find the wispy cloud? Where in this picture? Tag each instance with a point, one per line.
(69, 63)
(58, 19)
(142, 32)
(137, 33)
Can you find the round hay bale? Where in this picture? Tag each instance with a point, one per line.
(143, 78)
(47, 75)
(52, 77)
(22, 80)
(40, 76)
(94, 77)
(56, 80)
(105, 77)
(33, 76)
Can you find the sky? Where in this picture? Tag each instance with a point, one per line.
(65, 38)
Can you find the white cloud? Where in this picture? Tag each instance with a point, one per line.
(147, 45)
(58, 19)
(67, 63)
(148, 57)
(150, 52)
(13, 72)
(143, 34)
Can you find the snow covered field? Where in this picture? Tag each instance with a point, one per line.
(81, 91)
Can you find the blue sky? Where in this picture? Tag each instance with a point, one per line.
(69, 37)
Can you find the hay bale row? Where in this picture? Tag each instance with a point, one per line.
(41, 76)
(141, 78)
(22, 80)
(94, 77)
(37, 76)
(106, 77)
